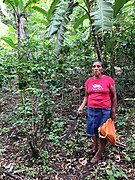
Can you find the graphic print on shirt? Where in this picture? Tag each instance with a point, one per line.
(97, 87)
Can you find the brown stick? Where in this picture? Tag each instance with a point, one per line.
(120, 144)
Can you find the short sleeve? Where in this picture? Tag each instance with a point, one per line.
(111, 81)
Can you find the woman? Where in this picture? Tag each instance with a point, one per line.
(100, 96)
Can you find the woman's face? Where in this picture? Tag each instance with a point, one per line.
(97, 69)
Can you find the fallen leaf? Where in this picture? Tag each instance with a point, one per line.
(83, 161)
(117, 157)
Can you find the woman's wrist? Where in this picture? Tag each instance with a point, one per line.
(113, 110)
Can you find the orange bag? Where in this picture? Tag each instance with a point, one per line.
(107, 130)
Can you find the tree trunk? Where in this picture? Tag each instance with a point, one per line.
(96, 42)
(96, 45)
(20, 34)
(17, 20)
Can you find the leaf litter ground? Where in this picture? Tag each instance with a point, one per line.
(70, 161)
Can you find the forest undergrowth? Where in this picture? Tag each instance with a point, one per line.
(70, 161)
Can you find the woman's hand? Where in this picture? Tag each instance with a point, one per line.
(80, 111)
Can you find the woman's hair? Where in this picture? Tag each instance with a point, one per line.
(102, 64)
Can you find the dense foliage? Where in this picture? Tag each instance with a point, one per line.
(41, 86)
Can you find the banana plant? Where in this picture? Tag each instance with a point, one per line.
(101, 19)
(99, 12)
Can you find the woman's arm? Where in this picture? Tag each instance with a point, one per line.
(80, 109)
(113, 101)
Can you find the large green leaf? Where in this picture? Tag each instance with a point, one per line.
(57, 18)
(9, 42)
(118, 5)
(41, 10)
(60, 39)
(21, 6)
(10, 3)
(14, 3)
(80, 20)
(62, 29)
(102, 17)
(60, 20)
(51, 10)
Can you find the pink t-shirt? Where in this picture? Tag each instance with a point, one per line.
(99, 92)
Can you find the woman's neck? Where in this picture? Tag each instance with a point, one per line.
(98, 77)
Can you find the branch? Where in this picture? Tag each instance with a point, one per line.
(120, 144)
